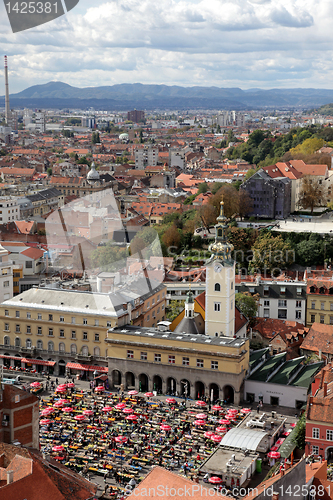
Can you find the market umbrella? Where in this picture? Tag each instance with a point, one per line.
(230, 417)
(224, 421)
(99, 388)
(79, 417)
(201, 416)
(36, 384)
(221, 429)
(71, 385)
(246, 410)
(217, 408)
(89, 413)
(61, 390)
(45, 421)
(58, 448)
(165, 427)
(170, 400)
(208, 434)
(121, 439)
(131, 417)
(273, 454)
(67, 409)
(216, 438)
(215, 480)
(149, 394)
(199, 422)
(107, 408)
(201, 403)
(133, 393)
(120, 406)
(127, 410)
(233, 411)
(47, 411)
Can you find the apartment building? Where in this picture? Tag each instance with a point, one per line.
(320, 299)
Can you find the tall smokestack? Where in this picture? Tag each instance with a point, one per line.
(7, 108)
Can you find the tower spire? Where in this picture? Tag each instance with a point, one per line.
(7, 108)
(221, 248)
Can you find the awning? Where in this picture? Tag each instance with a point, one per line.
(90, 368)
(17, 358)
(38, 362)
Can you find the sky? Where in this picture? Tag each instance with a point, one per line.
(224, 43)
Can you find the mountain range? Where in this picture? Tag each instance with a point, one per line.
(140, 96)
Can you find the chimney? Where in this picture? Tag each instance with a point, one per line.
(7, 108)
(325, 389)
(10, 476)
(275, 495)
(320, 354)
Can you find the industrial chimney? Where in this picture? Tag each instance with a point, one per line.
(7, 108)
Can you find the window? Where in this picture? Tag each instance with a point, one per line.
(39, 316)
(50, 332)
(200, 363)
(28, 344)
(85, 335)
(172, 359)
(298, 314)
(331, 307)
(153, 302)
(7, 312)
(186, 361)
(85, 321)
(157, 358)
(322, 306)
(96, 337)
(148, 304)
(97, 351)
(214, 365)
(266, 291)
(298, 303)
(96, 322)
(232, 285)
(17, 314)
(217, 287)
(28, 315)
(61, 319)
(143, 356)
(266, 303)
(130, 354)
(50, 317)
(17, 342)
(39, 344)
(322, 319)
(17, 329)
(313, 305)
(315, 450)
(282, 313)
(85, 351)
(315, 433)
(266, 313)
(331, 320)
(217, 306)
(39, 330)
(61, 333)
(73, 320)
(282, 303)
(148, 317)
(61, 347)
(329, 435)
(313, 318)
(6, 340)
(108, 324)
(28, 264)
(28, 329)
(282, 290)
(6, 327)
(73, 348)
(73, 334)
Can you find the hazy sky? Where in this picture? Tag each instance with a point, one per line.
(236, 43)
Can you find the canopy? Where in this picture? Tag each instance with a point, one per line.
(91, 368)
(244, 438)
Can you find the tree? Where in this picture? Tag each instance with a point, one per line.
(172, 237)
(248, 304)
(312, 194)
(310, 253)
(307, 147)
(203, 188)
(174, 308)
(49, 171)
(245, 203)
(271, 253)
(299, 438)
(95, 138)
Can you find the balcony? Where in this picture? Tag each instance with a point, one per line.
(27, 350)
(83, 357)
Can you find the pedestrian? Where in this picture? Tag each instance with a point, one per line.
(258, 408)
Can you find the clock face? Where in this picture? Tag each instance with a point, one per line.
(218, 268)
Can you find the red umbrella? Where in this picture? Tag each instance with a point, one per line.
(45, 421)
(121, 439)
(215, 480)
(232, 410)
(199, 422)
(221, 429)
(165, 427)
(80, 417)
(230, 417)
(120, 406)
(132, 417)
(224, 421)
(246, 410)
(149, 394)
(133, 393)
(47, 411)
(127, 410)
(35, 384)
(61, 390)
(89, 413)
(201, 416)
(217, 408)
(99, 388)
(273, 454)
(171, 400)
(71, 384)
(58, 404)
(201, 403)
(107, 408)
(58, 448)
(208, 434)
(216, 438)
(68, 409)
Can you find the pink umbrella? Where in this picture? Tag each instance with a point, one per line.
(230, 417)
(67, 409)
(88, 412)
(127, 410)
(99, 388)
(107, 408)
(71, 385)
(47, 411)
(224, 421)
(133, 393)
(246, 410)
(273, 454)
(165, 427)
(221, 429)
(233, 410)
(199, 422)
(215, 480)
(149, 394)
(120, 406)
(58, 404)
(121, 439)
(201, 403)
(208, 434)
(217, 408)
(61, 390)
(171, 401)
(80, 417)
(58, 448)
(45, 421)
(216, 438)
(132, 417)
(35, 384)
(201, 416)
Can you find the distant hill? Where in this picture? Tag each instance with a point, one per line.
(137, 95)
(326, 110)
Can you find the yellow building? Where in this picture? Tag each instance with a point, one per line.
(17, 275)
(319, 299)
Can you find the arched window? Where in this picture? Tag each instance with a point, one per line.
(61, 347)
(73, 349)
(312, 289)
(50, 346)
(39, 344)
(96, 351)
(6, 340)
(217, 287)
(85, 350)
(28, 343)
(17, 342)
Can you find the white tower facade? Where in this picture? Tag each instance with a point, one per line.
(7, 108)
(220, 284)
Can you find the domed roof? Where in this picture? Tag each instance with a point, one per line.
(124, 136)
(93, 175)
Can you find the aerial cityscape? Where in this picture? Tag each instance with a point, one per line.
(166, 251)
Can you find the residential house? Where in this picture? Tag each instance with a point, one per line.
(319, 342)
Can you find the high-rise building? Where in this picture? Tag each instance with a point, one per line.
(136, 116)
(144, 156)
(40, 122)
